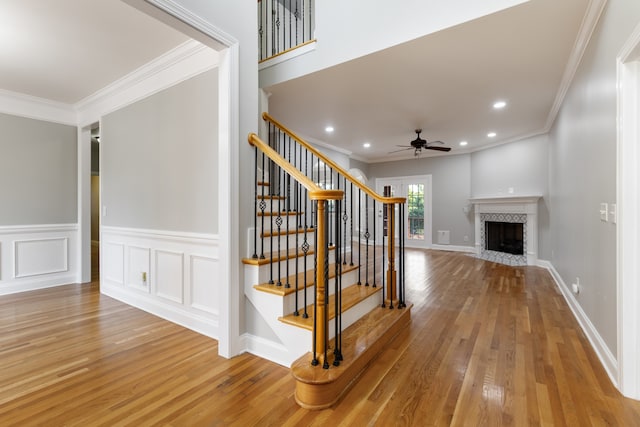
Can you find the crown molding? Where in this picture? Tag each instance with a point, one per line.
(185, 61)
(587, 27)
(32, 107)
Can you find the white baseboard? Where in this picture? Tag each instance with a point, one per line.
(602, 350)
(270, 350)
(201, 324)
(453, 248)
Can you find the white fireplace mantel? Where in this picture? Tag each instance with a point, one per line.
(527, 205)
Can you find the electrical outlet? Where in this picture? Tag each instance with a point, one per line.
(466, 238)
(575, 287)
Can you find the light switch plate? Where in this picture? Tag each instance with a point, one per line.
(613, 213)
(604, 212)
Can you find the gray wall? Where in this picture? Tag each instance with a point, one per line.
(583, 172)
(522, 166)
(450, 187)
(357, 164)
(38, 172)
(159, 158)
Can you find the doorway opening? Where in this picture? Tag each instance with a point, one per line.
(95, 202)
(417, 214)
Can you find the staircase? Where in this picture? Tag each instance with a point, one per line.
(322, 275)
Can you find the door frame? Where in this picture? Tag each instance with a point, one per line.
(428, 207)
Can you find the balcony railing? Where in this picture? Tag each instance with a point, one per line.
(284, 25)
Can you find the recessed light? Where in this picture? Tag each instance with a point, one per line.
(366, 145)
(499, 104)
(463, 143)
(328, 129)
(491, 134)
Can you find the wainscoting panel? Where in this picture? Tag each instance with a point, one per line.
(204, 295)
(172, 275)
(139, 264)
(112, 265)
(40, 256)
(169, 275)
(37, 256)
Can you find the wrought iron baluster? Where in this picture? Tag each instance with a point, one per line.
(255, 204)
(366, 237)
(315, 361)
(374, 241)
(359, 236)
(351, 241)
(384, 229)
(338, 291)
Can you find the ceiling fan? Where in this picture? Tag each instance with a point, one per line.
(418, 144)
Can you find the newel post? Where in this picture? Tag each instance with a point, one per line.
(320, 318)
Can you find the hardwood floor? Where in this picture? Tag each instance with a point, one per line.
(488, 345)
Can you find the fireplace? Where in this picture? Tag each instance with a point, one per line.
(504, 237)
(507, 229)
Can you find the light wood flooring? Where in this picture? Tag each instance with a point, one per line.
(488, 345)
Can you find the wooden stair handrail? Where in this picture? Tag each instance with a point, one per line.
(373, 194)
(315, 192)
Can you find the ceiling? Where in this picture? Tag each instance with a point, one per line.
(66, 50)
(445, 83)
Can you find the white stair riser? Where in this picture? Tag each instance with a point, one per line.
(348, 279)
(293, 240)
(265, 270)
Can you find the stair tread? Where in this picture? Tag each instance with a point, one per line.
(351, 295)
(286, 232)
(270, 197)
(282, 291)
(279, 256)
(281, 213)
(318, 388)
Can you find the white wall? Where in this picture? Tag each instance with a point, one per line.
(348, 30)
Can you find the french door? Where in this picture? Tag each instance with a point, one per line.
(417, 212)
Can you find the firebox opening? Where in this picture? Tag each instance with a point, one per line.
(504, 237)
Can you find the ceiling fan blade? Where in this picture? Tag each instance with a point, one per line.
(402, 149)
(438, 148)
(435, 142)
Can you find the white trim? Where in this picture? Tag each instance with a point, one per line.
(228, 167)
(293, 53)
(628, 212)
(454, 248)
(269, 350)
(201, 324)
(32, 107)
(185, 61)
(588, 25)
(179, 236)
(48, 259)
(138, 251)
(603, 352)
(37, 228)
(83, 150)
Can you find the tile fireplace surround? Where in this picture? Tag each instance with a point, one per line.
(520, 209)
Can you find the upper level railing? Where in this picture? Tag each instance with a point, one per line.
(301, 191)
(284, 25)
